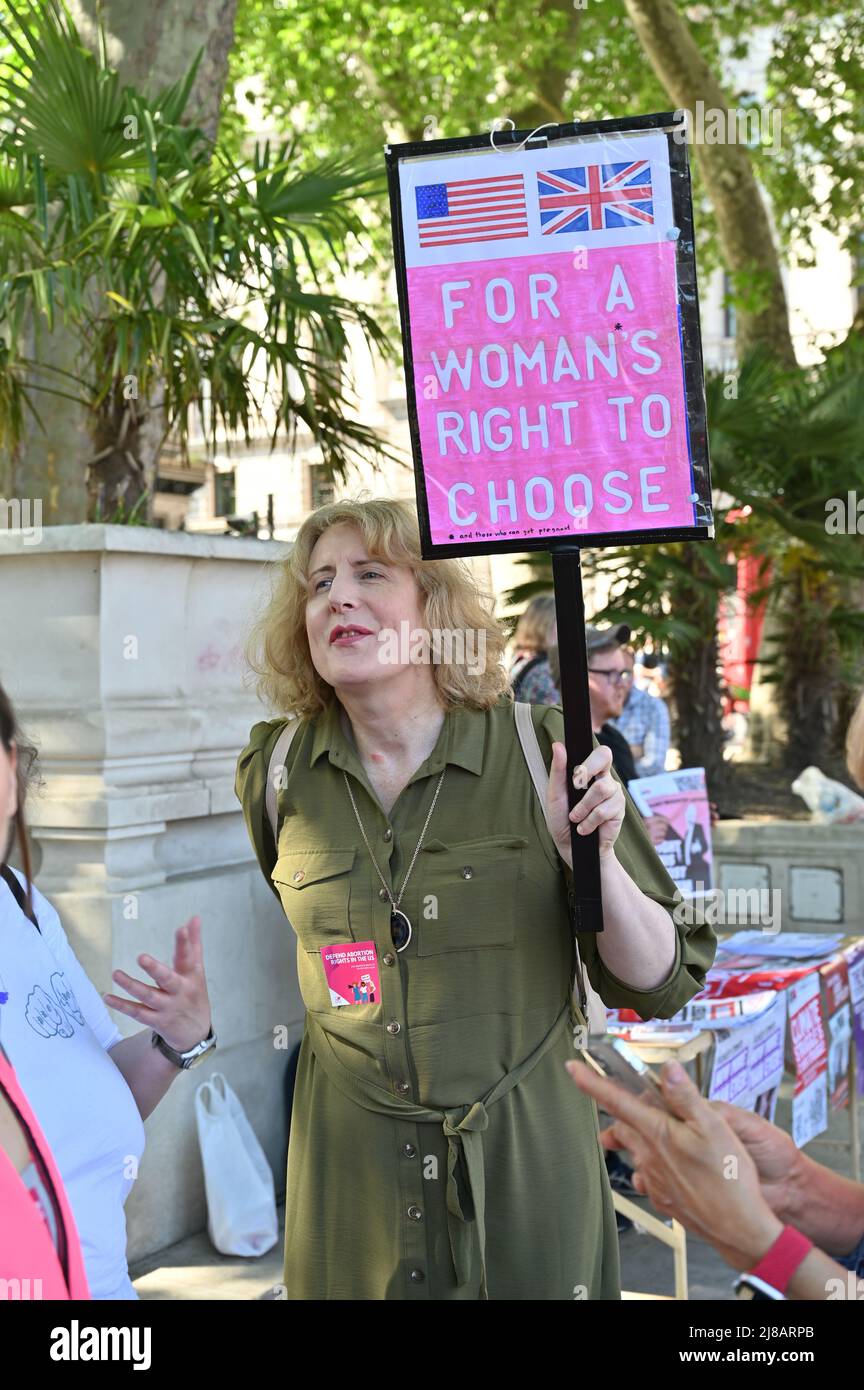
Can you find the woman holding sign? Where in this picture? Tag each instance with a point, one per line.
(435, 1152)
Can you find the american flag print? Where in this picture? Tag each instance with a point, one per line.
(471, 210)
(596, 197)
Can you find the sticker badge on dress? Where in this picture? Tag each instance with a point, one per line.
(352, 973)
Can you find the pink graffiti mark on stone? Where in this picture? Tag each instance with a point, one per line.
(208, 660)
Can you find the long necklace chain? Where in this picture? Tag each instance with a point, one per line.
(394, 902)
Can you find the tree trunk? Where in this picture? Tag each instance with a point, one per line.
(699, 714)
(50, 462)
(550, 84)
(809, 675)
(695, 679)
(151, 45)
(117, 482)
(746, 235)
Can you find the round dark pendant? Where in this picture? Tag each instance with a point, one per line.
(400, 929)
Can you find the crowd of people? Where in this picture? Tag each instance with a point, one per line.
(628, 713)
(438, 1148)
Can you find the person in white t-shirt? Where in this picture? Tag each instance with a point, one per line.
(89, 1087)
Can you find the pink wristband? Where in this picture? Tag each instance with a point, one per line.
(778, 1264)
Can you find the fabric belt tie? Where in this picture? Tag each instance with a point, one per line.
(466, 1137)
(463, 1128)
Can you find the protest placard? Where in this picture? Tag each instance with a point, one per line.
(838, 1016)
(551, 336)
(748, 1061)
(680, 802)
(810, 1051)
(553, 362)
(855, 965)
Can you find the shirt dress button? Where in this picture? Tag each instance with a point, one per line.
(383, 894)
(467, 872)
(417, 1276)
(394, 1028)
(299, 876)
(415, 1213)
(389, 959)
(402, 1087)
(388, 834)
(409, 1151)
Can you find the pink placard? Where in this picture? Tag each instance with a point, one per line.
(550, 395)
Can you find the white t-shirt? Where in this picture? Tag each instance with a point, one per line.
(56, 1032)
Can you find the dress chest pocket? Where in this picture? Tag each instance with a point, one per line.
(469, 894)
(315, 888)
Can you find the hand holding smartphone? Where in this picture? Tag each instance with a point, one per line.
(618, 1061)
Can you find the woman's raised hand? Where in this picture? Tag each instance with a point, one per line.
(178, 1006)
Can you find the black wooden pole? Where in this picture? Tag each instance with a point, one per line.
(586, 901)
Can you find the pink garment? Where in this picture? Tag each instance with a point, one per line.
(27, 1253)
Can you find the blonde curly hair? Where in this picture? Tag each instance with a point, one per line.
(278, 648)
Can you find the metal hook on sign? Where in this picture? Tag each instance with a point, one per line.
(512, 149)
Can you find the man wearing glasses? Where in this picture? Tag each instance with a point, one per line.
(610, 676)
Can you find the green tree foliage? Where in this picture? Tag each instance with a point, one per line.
(175, 264)
(360, 74)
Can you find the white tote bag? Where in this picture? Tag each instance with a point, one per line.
(241, 1197)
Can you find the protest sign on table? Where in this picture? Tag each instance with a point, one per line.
(786, 945)
(855, 964)
(748, 1061)
(725, 1012)
(838, 1014)
(747, 999)
(737, 975)
(807, 1031)
(681, 799)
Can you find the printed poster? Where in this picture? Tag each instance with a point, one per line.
(725, 1012)
(680, 799)
(352, 973)
(747, 975)
(748, 1061)
(838, 1012)
(855, 963)
(807, 1032)
(783, 945)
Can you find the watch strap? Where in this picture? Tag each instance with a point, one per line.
(182, 1060)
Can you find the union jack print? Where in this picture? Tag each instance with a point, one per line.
(596, 197)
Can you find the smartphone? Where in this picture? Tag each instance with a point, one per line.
(617, 1060)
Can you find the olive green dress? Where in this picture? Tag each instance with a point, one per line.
(439, 1149)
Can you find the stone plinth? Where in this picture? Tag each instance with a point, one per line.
(123, 657)
(816, 871)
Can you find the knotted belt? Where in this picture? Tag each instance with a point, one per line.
(463, 1127)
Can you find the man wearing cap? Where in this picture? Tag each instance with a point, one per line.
(609, 679)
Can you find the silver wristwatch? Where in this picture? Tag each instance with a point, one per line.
(185, 1060)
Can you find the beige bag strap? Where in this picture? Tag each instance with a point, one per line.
(540, 777)
(277, 762)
